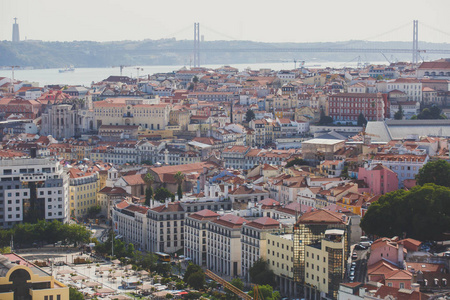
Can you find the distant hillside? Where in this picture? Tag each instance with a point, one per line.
(40, 54)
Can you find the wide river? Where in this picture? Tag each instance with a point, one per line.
(85, 76)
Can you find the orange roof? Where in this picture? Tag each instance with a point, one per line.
(134, 179)
(230, 221)
(321, 216)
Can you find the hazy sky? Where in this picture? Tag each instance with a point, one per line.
(269, 21)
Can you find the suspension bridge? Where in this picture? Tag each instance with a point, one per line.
(199, 46)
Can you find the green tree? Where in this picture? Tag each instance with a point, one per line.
(399, 114)
(148, 195)
(195, 79)
(193, 295)
(149, 179)
(130, 250)
(162, 194)
(191, 269)
(169, 296)
(93, 211)
(324, 119)
(249, 115)
(266, 292)
(196, 280)
(296, 162)
(437, 172)
(422, 213)
(361, 120)
(74, 294)
(237, 282)
(432, 112)
(261, 274)
(179, 178)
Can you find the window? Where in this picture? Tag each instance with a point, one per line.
(402, 285)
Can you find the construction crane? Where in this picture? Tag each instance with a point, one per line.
(231, 287)
(121, 68)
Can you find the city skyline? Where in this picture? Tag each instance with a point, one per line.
(263, 21)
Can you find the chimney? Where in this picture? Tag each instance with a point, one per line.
(415, 287)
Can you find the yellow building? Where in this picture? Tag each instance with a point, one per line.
(83, 190)
(24, 280)
(325, 265)
(144, 133)
(147, 113)
(280, 257)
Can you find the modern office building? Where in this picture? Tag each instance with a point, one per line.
(325, 265)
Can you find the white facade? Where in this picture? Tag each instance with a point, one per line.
(224, 247)
(38, 185)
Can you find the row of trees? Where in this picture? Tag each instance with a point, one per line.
(44, 232)
(421, 213)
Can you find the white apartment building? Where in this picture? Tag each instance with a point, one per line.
(32, 186)
(165, 228)
(224, 245)
(129, 221)
(195, 233)
(406, 166)
(254, 241)
(412, 87)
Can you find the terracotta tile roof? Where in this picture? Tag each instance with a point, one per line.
(399, 294)
(171, 207)
(264, 223)
(113, 191)
(137, 208)
(230, 221)
(204, 215)
(410, 244)
(321, 216)
(244, 190)
(268, 203)
(122, 204)
(424, 267)
(134, 179)
(381, 267)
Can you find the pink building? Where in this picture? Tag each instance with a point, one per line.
(380, 179)
(386, 249)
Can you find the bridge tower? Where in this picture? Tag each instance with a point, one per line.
(415, 49)
(196, 45)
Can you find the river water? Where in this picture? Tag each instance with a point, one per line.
(85, 76)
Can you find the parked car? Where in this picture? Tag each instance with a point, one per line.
(360, 247)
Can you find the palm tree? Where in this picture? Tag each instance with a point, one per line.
(149, 179)
(179, 177)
